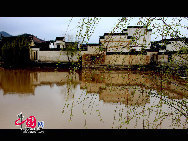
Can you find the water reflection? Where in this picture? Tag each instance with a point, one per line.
(16, 81)
(125, 81)
(95, 98)
(25, 81)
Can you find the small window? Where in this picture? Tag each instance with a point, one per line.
(35, 55)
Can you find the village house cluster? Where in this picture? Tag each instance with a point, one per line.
(132, 46)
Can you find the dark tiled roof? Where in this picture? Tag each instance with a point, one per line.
(43, 45)
(167, 41)
(149, 29)
(101, 37)
(152, 50)
(156, 46)
(135, 26)
(129, 37)
(59, 38)
(93, 44)
(83, 45)
(115, 34)
(71, 43)
(51, 49)
(126, 53)
(34, 46)
(177, 39)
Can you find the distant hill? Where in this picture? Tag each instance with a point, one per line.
(35, 38)
(5, 34)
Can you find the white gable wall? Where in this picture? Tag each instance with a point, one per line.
(175, 45)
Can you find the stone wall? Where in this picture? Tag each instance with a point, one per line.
(87, 59)
(127, 59)
(93, 59)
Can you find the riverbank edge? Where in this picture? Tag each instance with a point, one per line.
(77, 67)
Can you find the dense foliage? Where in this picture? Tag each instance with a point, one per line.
(15, 52)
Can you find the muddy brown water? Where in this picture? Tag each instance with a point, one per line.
(93, 99)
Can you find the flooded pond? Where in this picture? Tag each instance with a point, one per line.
(94, 99)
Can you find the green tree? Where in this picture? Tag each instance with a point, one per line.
(71, 50)
(15, 52)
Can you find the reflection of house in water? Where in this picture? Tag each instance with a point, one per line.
(130, 87)
(25, 81)
(110, 85)
(111, 88)
(129, 95)
(16, 81)
(59, 78)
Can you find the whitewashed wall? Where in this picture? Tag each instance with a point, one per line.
(116, 43)
(56, 56)
(120, 43)
(51, 45)
(143, 36)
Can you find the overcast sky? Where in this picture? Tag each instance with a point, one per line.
(49, 28)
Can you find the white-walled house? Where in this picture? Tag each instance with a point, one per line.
(127, 44)
(140, 35)
(53, 51)
(134, 37)
(115, 42)
(51, 45)
(176, 44)
(59, 42)
(170, 45)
